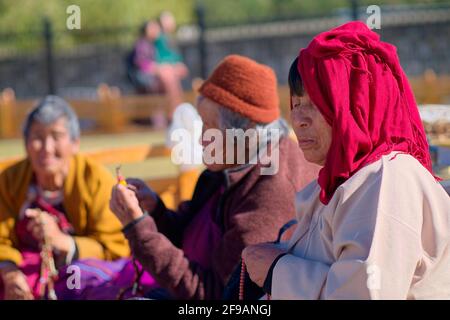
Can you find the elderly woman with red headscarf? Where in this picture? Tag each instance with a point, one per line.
(376, 223)
(192, 252)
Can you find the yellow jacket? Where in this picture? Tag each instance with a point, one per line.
(87, 190)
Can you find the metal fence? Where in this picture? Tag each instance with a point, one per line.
(74, 62)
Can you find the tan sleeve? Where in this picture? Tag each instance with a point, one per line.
(7, 221)
(104, 238)
(9, 253)
(376, 252)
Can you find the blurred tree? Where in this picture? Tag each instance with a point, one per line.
(22, 17)
(238, 11)
(123, 17)
(26, 15)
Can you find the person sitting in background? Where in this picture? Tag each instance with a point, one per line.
(165, 46)
(154, 67)
(192, 252)
(376, 223)
(142, 64)
(170, 61)
(73, 193)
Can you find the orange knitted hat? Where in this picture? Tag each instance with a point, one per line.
(244, 86)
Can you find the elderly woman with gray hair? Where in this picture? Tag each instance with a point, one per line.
(58, 195)
(237, 201)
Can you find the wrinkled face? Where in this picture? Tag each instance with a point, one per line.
(50, 147)
(209, 112)
(152, 30)
(168, 23)
(312, 130)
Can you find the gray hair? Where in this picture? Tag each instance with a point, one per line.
(228, 119)
(50, 109)
(265, 133)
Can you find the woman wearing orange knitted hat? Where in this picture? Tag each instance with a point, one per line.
(192, 252)
(376, 223)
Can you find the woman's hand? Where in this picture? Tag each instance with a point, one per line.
(15, 285)
(181, 70)
(146, 196)
(43, 225)
(258, 258)
(125, 204)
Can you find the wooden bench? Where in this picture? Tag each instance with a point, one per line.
(431, 88)
(172, 189)
(110, 112)
(113, 112)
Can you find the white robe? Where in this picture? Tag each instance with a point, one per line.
(385, 234)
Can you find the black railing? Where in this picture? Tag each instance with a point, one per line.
(47, 51)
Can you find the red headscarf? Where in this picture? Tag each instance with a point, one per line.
(358, 85)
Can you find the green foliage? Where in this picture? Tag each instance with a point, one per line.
(24, 18)
(241, 11)
(123, 17)
(25, 15)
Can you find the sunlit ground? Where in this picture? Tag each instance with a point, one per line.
(152, 168)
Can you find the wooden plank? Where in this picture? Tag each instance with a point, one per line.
(114, 155)
(114, 112)
(129, 154)
(441, 141)
(285, 108)
(160, 185)
(4, 163)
